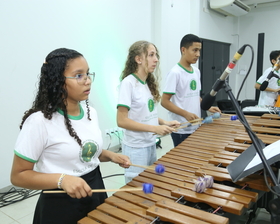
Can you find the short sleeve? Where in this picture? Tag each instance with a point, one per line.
(32, 138)
(125, 94)
(170, 83)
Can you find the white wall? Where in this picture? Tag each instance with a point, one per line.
(178, 18)
(171, 24)
(214, 26)
(103, 30)
(239, 31)
(259, 20)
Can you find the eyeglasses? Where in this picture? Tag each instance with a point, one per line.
(82, 78)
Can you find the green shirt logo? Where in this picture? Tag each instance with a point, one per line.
(151, 105)
(278, 82)
(193, 85)
(88, 151)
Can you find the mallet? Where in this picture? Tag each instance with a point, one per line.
(147, 188)
(207, 120)
(159, 168)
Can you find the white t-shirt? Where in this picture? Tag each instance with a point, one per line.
(136, 96)
(49, 144)
(185, 87)
(268, 98)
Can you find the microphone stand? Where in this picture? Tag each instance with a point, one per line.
(274, 204)
(265, 83)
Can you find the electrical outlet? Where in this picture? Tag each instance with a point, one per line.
(107, 132)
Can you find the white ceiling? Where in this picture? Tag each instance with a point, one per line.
(260, 2)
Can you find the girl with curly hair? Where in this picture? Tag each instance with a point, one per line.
(137, 110)
(60, 144)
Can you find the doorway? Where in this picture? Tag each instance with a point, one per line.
(214, 59)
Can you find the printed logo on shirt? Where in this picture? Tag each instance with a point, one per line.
(193, 85)
(151, 105)
(88, 150)
(278, 82)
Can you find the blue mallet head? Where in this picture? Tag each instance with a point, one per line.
(233, 118)
(207, 120)
(160, 169)
(216, 115)
(148, 188)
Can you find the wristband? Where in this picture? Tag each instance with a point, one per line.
(60, 180)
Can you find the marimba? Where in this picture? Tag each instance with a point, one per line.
(207, 151)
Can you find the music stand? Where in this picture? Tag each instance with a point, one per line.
(249, 161)
(257, 146)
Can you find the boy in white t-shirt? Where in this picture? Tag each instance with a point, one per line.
(137, 108)
(269, 95)
(181, 94)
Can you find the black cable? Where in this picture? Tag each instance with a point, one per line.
(246, 76)
(117, 136)
(267, 184)
(15, 195)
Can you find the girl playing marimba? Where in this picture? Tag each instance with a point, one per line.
(137, 109)
(62, 138)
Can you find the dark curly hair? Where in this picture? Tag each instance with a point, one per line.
(52, 93)
(131, 66)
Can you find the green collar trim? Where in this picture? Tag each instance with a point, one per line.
(138, 79)
(79, 117)
(185, 69)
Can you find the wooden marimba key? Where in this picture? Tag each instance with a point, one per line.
(173, 199)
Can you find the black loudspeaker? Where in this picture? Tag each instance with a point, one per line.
(226, 106)
(248, 103)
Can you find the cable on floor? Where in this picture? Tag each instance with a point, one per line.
(15, 195)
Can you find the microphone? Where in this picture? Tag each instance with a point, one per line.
(270, 75)
(209, 98)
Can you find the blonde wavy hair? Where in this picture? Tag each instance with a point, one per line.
(131, 66)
